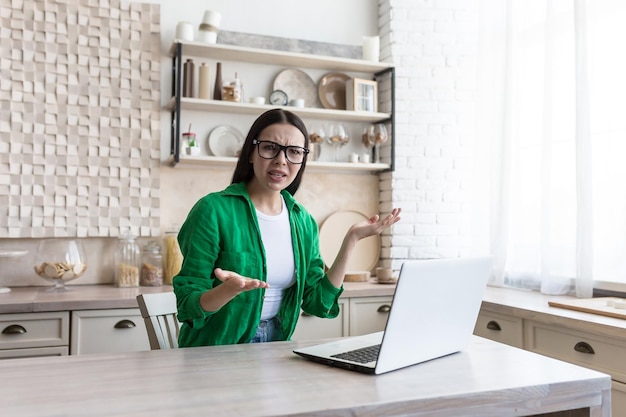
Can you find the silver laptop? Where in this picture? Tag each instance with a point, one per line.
(433, 314)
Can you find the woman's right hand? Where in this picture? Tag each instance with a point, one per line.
(237, 282)
(232, 285)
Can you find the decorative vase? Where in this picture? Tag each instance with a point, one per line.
(188, 75)
(217, 88)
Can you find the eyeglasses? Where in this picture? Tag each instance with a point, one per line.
(270, 150)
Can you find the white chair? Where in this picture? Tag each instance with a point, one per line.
(159, 314)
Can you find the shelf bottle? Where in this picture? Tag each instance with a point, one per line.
(204, 86)
(188, 70)
(217, 88)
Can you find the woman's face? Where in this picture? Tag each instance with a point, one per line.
(277, 173)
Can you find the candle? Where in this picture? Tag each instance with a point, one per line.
(184, 31)
(371, 48)
(212, 18)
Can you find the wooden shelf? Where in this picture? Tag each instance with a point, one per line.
(265, 56)
(197, 104)
(203, 161)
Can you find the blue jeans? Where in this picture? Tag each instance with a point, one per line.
(268, 331)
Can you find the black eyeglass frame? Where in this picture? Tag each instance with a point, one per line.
(280, 148)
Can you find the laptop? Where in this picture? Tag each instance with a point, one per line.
(433, 313)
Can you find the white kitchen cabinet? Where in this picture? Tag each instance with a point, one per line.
(502, 328)
(582, 348)
(265, 63)
(561, 338)
(313, 328)
(359, 315)
(108, 331)
(618, 398)
(34, 334)
(368, 314)
(585, 349)
(34, 352)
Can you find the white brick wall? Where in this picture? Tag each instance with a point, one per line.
(433, 45)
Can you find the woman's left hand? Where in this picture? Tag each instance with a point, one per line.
(374, 225)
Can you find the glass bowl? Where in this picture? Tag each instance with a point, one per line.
(59, 261)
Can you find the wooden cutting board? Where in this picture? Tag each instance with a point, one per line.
(598, 305)
(332, 231)
(357, 276)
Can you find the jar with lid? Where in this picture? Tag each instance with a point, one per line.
(127, 262)
(233, 91)
(151, 265)
(173, 257)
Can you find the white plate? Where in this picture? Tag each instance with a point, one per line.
(12, 253)
(224, 141)
(332, 232)
(297, 84)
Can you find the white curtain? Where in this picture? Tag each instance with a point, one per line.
(552, 121)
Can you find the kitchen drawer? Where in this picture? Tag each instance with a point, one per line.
(313, 328)
(108, 331)
(502, 328)
(34, 352)
(368, 314)
(34, 330)
(581, 348)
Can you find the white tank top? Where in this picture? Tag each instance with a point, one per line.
(276, 235)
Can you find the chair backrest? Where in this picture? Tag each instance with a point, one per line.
(159, 313)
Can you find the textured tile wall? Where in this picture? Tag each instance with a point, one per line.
(79, 118)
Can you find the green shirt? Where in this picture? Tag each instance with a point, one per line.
(222, 231)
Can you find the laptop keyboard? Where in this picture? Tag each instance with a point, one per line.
(362, 355)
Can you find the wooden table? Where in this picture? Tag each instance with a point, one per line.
(487, 379)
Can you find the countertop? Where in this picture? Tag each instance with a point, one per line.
(96, 297)
(516, 302)
(532, 305)
(267, 379)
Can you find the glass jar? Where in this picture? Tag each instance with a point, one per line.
(233, 91)
(151, 265)
(173, 257)
(127, 261)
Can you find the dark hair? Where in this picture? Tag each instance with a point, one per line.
(244, 171)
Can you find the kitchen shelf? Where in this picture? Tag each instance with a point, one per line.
(314, 166)
(178, 104)
(265, 56)
(197, 104)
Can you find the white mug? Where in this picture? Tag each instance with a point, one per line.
(297, 102)
(257, 100)
(184, 31)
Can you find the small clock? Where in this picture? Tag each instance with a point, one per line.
(279, 98)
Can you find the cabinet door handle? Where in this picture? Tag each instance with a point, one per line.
(584, 347)
(493, 325)
(14, 329)
(124, 324)
(385, 308)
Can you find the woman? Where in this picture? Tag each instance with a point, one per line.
(251, 252)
